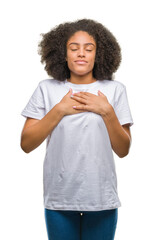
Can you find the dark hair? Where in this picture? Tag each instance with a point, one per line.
(52, 49)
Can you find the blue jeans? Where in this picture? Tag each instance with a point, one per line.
(85, 225)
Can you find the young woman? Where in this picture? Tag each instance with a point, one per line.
(84, 114)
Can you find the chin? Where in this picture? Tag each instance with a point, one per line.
(81, 73)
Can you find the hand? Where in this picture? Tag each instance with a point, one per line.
(91, 102)
(67, 103)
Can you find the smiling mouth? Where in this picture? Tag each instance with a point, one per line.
(81, 62)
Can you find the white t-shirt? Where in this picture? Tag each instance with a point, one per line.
(79, 170)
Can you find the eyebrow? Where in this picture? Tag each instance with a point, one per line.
(84, 44)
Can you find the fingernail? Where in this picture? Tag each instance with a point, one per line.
(76, 92)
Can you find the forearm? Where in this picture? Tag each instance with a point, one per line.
(119, 138)
(34, 135)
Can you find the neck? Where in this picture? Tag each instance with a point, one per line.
(81, 79)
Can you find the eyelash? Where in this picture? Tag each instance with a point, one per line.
(77, 49)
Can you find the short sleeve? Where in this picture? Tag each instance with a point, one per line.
(35, 108)
(122, 108)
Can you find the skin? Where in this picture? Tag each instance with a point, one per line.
(81, 46)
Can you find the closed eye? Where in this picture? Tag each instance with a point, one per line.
(75, 49)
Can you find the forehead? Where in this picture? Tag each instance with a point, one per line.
(81, 37)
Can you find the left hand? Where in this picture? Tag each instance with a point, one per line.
(91, 102)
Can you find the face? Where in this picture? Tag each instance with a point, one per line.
(81, 51)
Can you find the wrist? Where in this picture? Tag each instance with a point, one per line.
(60, 109)
(107, 111)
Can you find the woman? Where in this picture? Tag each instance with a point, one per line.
(84, 115)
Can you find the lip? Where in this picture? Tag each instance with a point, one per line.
(81, 61)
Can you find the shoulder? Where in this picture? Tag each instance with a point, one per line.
(50, 84)
(50, 81)
(114, 85)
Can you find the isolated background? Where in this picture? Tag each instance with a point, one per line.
(21, 174)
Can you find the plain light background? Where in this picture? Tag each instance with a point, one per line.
(21, 174)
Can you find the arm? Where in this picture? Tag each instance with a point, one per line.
(120, 136)
(35, 131)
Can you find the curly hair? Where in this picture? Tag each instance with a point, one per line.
(52, 49)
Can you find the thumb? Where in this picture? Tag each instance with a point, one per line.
(70, 92)
(99, 92)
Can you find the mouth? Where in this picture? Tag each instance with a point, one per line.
(81, 62)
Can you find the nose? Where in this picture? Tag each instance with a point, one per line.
(81, 52)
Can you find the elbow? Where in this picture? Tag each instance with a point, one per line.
(125, 151)
(123, 154)
(23, 147)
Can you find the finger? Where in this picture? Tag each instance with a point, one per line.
(79, 95)
(79, 99)
(87, 94)
(104, 96)
(100, 93)
(80, 107)
(70, 91)
(82, 94)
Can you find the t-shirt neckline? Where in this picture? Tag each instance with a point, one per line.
(81, 86)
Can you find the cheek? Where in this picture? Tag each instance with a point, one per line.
(69, 58)
(70, 63)
(94, 56)
(92, 60)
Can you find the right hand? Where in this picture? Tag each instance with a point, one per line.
(67, 103)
